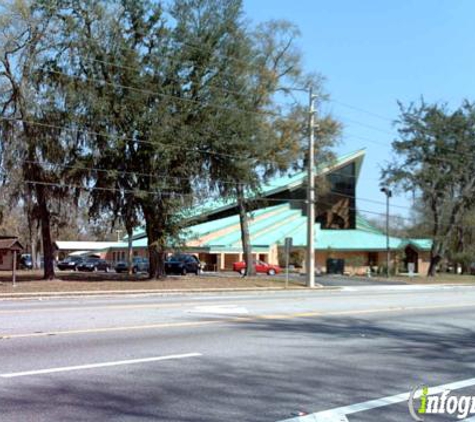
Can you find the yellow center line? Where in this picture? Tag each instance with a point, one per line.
(254, 318)
(105, 307)
(131, 307)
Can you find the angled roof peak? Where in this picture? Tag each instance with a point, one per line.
(274, 186)
(284, 182)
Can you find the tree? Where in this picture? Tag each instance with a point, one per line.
(149, 100)
(35, 115)
(136, 107)
(434, 159)
(268, 137)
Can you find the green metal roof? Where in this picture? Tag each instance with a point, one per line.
(421, 244)
(273, 186)
(215, 225)
(285, 182)
(353, 240)
(363, 224)
(270, 226)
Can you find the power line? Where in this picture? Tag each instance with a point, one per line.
(170, 96)
(99, 188)
(196, 66)
(356, 122)
(234, 183)
(369, 113)
(445, 150)
(167, 176)
(373, 201)
(441, 159)
(124, 172)
(199, 48)
(212, 86)
(442, 148)
(161, 146)
(249, 199)
(122, 138)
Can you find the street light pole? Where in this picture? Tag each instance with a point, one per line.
(388, 194)
(311, 194)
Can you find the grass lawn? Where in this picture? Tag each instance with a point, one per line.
(31, 282)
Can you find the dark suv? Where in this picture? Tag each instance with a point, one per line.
(182, 264)
(94, 264)
(70, 263)
(139, 265)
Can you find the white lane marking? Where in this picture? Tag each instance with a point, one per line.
(219, 309)
(98, 365)
(326, 415)
(469, 420)
(406, 287)
(323, 417)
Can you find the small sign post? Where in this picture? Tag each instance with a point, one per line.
(14, 268)
(288, 247)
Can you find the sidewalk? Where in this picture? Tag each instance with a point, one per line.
(30, 285)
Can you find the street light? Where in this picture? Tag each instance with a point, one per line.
(388, 194)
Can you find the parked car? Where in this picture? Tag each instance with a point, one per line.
(25, 262)
(182, 264)
(70, 263)
(139, 265)
(94, 264)
(261, 267)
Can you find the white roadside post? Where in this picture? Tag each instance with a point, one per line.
(14, 269)
(288, 247)
(388, 194)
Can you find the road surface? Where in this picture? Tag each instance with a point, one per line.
(233, 357)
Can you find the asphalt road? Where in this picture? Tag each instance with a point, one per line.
(246, 357)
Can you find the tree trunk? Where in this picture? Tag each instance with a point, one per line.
(33, 252)
(156, 243)
(33, 239)
(32, 231)
(46, 234)
(434, 261)
(245, 237)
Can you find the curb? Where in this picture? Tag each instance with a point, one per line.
(154, 292)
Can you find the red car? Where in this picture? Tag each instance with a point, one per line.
(261, 267)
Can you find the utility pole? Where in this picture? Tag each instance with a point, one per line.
(311, 194)
(388, 194)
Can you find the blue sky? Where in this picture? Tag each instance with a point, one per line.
(374, 53)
